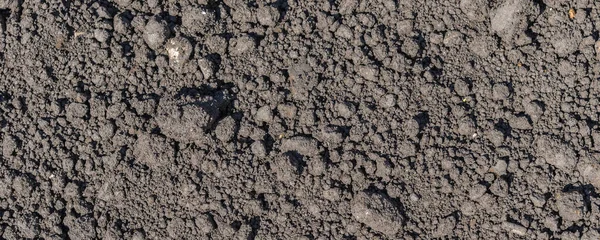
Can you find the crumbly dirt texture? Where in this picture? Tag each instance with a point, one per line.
(292, 119)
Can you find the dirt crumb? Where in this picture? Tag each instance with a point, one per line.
(303, 145)
(156, 33)
(378, 212)
(570, 206)
(556, 153)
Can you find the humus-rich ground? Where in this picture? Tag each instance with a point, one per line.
(293, 119)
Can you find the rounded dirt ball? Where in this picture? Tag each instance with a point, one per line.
(500, 92)
(267, 16)
(156, 33)
(101, 35)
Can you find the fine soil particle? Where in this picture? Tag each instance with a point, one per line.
(287, 119)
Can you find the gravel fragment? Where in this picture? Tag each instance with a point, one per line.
(537, 199)
(179, 50)
(500, 168)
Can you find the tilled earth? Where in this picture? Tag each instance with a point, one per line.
(293, 119)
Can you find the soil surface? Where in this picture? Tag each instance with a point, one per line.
(292, 119)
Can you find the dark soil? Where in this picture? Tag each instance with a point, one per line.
(291, 119)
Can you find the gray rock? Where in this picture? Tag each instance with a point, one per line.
(204, 223)
(411, 48)
(500, 168)
(179, 50)
(347, 6)
(123, 3)
(462, 88)
(520, 122)
(566, 43)
(482, 46)
(477, 191)
(22, 186)
(445, 227)
(506, 19)
(538, 200)
(207, 68)
(9, 146)
(345, 110)
(590, 171)
(453, 39)
(467, 127)
(344, 32)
